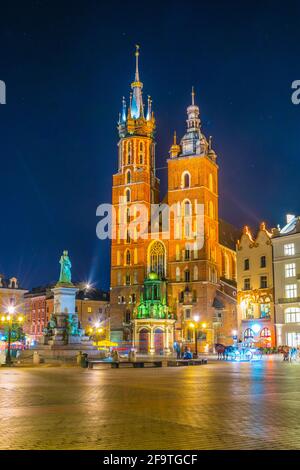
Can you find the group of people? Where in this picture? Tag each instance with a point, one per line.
(289, 353)
(182, 352)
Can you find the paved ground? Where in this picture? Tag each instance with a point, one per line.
(218, 406)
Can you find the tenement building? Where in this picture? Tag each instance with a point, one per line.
(255, 288)
(286, 248)
(172, 264)
(11, 295)
(91, 306)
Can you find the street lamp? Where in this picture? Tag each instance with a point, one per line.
(96, 330)
(9, 319)
(194, 325)
(234, 336)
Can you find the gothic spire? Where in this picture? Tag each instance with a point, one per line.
(133, 120)
(137, 108)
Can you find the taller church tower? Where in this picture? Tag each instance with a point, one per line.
(135, 183)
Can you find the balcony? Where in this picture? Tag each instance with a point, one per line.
(291, 300)
(253, 317)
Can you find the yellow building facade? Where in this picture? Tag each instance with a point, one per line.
(255, 296)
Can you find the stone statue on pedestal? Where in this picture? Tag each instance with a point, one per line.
(65, 269)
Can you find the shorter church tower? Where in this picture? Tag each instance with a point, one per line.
(195, 253)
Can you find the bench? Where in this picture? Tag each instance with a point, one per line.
(136, 364)
(118, 364)
(186, 362)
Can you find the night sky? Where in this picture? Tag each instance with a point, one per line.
(66, 65)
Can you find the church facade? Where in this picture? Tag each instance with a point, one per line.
(169, 281)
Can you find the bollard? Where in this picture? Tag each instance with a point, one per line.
(36, 358)
(84, 360)
(78, 358)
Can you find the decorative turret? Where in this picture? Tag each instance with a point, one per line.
(134, 122)
(194, 141)
(175, 148)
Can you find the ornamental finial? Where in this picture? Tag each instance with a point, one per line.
(137, 53)
(193, 96)
(175, 138)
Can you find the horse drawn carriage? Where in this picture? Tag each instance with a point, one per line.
(238, 352)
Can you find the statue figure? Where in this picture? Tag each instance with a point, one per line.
(72, 326)
(48, 330)
(52, 322)
(65, 269)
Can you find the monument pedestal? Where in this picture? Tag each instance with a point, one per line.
(63, 335)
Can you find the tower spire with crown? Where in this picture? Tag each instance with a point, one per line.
(134, 122)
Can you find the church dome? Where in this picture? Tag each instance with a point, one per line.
(153, 276)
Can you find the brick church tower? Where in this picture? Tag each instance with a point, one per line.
(196, 258)
(134, 184)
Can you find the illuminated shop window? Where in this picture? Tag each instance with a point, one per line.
(265, 310)
(248, 334)
(293, 339)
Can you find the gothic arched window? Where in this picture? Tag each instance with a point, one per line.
(186, 180)
(127, 195)
(187, 208)
(141, 153)
(210, 182)
(128, 177)
(157, 258)
(211, 209)
(129, 153)
(128, 257)
(249, 334)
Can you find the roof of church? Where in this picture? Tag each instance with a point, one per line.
(228, 234)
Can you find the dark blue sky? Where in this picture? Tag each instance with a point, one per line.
(66, 66)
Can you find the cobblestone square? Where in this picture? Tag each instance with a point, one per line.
(218, 406)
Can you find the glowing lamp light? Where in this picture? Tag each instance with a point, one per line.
(3, 318)
(196, 318)
(7, 317)
(256, 328)
(97, 324)
(204, 325)
(20, 318)
(234, 332)
(11, 309)
(87, 286)
(191, 325)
